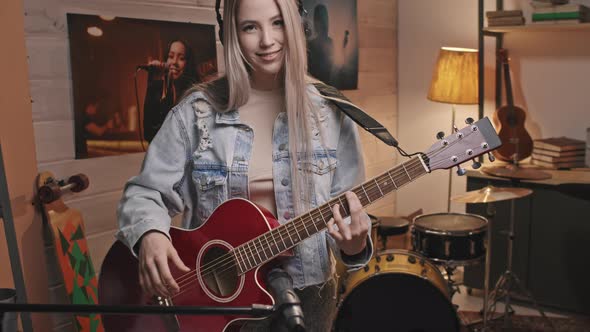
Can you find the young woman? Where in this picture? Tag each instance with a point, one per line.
(166, 84)
(261, 132)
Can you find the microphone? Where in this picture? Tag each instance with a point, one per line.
(287, 302)
(149, 68)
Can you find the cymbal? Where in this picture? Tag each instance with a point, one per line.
(515, 172)
(491, 194)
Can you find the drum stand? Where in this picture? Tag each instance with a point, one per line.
(507, 282)
(453, 284)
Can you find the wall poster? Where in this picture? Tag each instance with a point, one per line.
(127, 74)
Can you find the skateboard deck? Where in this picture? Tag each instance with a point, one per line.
(64, 231)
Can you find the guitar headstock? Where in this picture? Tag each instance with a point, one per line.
(472, 141)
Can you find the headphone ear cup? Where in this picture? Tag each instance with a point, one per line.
(301, 8)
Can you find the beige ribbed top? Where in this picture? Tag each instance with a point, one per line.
(260, 113)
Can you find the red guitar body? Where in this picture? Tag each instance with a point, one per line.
(119, 280)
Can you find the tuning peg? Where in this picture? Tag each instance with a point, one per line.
(440, 135)
(461, 171)
(476, 164)
(469, 121)
(455, 129)
(491, 157)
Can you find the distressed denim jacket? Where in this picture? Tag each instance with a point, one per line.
(200, 157)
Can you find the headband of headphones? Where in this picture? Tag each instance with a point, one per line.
(300, 6)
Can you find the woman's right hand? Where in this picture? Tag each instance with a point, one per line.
(155, 277)
(157, 69)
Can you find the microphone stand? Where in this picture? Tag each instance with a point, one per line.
(288, 305)
(256, 310)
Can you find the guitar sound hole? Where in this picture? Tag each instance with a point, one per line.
(219, 272)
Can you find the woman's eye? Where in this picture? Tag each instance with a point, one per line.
(278, 23)
(248, 28)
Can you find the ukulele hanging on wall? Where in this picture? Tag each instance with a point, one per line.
(509, 121)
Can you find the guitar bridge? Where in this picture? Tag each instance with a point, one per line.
(170, 321)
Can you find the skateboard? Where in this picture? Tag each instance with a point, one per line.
(70, 270)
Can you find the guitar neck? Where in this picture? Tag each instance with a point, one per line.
(509, 97)
(272, 243)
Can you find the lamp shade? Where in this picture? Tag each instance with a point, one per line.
(454, 80)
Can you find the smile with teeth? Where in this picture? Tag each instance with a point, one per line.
(270, 55)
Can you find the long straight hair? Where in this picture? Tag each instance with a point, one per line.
(231, 91)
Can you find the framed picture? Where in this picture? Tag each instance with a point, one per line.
(332, 41)
(128, 73)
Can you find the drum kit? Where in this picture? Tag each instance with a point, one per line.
(406, 290)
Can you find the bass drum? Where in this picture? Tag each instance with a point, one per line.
(398, 290)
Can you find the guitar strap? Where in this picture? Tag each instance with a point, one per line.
(357, 115)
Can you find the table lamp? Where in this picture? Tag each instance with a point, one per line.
(454, 81)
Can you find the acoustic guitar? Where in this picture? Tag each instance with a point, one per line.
(509, 121)
(229, 267)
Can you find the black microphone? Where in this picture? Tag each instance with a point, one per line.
(287, 302)
(154, 67)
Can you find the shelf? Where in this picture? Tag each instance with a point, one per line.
(540, 27)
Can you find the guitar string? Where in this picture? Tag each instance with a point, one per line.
(304, 220)
(228, 262)
(373, 188)
(188, 284)
(385, 174)
(316, 215)
(299, 227)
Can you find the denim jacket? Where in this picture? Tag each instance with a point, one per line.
(200, 157)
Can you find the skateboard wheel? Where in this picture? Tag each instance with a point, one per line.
(49, 193)
(80, 182)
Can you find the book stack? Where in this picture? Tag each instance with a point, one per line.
(505, 18)
(569, 13)
(559, 152)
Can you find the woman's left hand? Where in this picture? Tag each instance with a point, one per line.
(351, 238)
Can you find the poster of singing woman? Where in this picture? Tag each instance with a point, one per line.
(332, 41)
(128, 73)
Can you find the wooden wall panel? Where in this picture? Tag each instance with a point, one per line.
(54, 140)
(377, 87)
(98, 246)
(48, 58)
(50, 99)
(106, 174)
(99, 211)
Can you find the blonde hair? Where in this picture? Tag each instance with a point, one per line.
(232, 90)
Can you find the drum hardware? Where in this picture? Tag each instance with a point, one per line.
(508, 280)
(375, 224)
(489, 195)
(453, 285)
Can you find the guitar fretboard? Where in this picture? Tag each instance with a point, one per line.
(272, 243)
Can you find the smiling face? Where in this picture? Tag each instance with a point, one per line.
(176, 59)
(261, 34)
